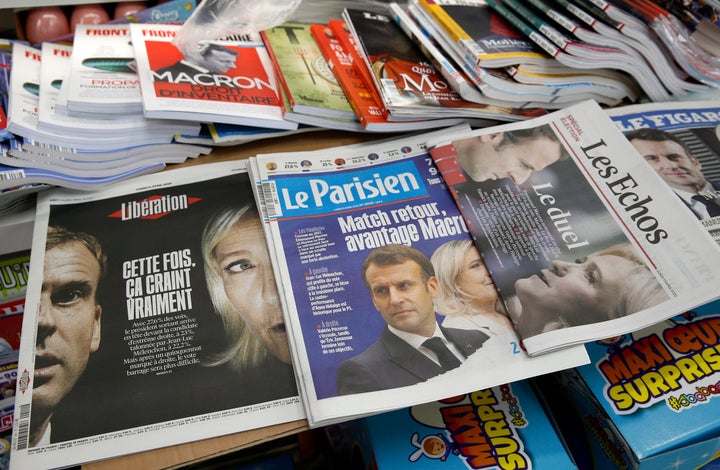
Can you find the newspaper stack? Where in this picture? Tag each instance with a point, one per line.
(569, 49)
(583, 241)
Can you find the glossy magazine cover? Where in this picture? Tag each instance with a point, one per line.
(230, 81)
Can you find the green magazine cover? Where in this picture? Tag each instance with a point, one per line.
(305, 74)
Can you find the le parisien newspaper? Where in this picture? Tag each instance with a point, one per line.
(155, 378)
(325, 211)
(588, 246)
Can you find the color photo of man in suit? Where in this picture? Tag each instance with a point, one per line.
(402, 286)
(672, 160)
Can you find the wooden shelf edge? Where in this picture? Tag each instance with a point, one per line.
(184, 454)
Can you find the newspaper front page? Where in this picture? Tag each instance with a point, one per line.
(582, 238)
(679, 141)
(356, 331)
(144, 306)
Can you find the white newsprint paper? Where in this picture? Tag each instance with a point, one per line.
(326, 212)
(582, 237)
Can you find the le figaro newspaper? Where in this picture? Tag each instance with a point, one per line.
(680, 141)
(584, 240)
(152, 319)
(359, 236)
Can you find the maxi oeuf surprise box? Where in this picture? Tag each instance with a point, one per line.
(496, 428)
(650, 399)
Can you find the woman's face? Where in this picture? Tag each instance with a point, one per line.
(474, 279)
(582, 292)
(249, 284)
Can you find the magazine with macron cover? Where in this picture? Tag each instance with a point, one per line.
(230, 81)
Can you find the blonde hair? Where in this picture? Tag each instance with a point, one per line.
(244, 350)
(641, 290)
(448, 261)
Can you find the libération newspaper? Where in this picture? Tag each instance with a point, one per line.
(583, 239)
(326, 212)
(133, 335)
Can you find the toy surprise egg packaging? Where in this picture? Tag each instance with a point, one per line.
(650, 399)
(498, 428)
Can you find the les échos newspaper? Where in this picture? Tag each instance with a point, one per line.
(592, 206)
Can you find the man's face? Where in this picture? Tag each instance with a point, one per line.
(670, 161)
(68, 322)
(218, 61)
(484, 159)
(401, 296)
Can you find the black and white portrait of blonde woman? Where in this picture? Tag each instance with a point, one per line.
(241, 284)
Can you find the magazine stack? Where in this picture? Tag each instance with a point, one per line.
(525, 226)
(571, 48)
(313, 93)
(82, 163)
(408, 83)
(42, 146)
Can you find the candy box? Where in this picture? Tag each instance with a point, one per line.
(500, 427)
(647, 400)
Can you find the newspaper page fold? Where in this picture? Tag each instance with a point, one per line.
(356, 342)
(582, 238)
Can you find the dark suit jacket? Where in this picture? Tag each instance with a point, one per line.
(390, 362)
(714, 185)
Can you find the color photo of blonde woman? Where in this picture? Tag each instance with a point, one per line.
(467, 296)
